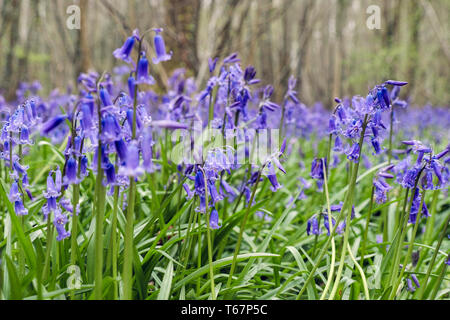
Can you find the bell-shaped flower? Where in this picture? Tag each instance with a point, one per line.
(214, 219)
(160, 48)
(131, 166)
(124, 52)
(142, 74)
(60, 222)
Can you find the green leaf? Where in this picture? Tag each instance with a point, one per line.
(164, 292)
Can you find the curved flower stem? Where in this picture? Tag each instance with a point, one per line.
(361, 272)
(328, 154)
(349, 206)
(74, 231)
(114, 242)
(433, 259)
(403, 224)
(366, 229)
(199, 249)
(330, 223)
(100, 196)
(395, 244)
(129, 228)
(48, 250)
(208, 236)
(439, 280)
(241, 230)
(410, 247)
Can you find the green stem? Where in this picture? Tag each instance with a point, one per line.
(433, 259)
(74, 231)
(366, 229)
(361, 272)
(208, 236)
(46, 269)
(349, 206)
(129, 228)
(330, 223)
(410, 246)
(114, 242)
(439, 280)
(241, 231)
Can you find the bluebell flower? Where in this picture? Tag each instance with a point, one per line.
(131, 86)
(312, 226)
(132, 167)
(212, 64)
(111, 130)
(271, 175)
(110, 173)
(317, 169)
(199, 186)
(416, 281)
(189, 193)
(105, 97)
(160, 48)
(19, 208)
(71, 172)
(87, 122)
(353, 153)
(60, 222)
(51, 124)
(14, 194)
(147, 150)
(214, 219)
(410, 285)
(121, 149)
(215, 196)
(142, 74)
(84, 167)
(124, 52)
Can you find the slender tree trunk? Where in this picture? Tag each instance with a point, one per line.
(82, 55)
(10, 76)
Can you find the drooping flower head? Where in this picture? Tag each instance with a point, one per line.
(160, 48)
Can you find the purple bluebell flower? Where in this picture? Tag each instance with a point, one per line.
(143, 76)
(132, 167)
(19, 208)
(71, 172)
(124, 52)
(111, 130)
(84, 167)
(410, 285)
(271, 175)
(396, 83)
(14, 194)
(147, 150)
(199, 186)
(105, 97)
(353, 153)
(416, 281)
(189, 193)
(160, 48)
(312, 226)
(87, 122)
(232, 58)
(60, 222)
(131, 86)
(215, 196)
(52, 124)
(214, 219)
(110, 173)
(212, 64)
(317, 169)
